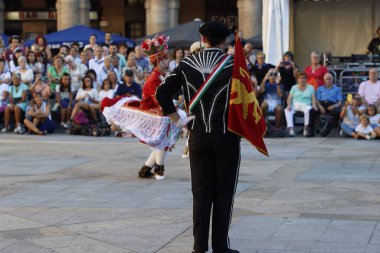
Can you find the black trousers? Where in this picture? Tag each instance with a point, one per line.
(214, 164)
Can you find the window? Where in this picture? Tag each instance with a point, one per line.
(135, 29)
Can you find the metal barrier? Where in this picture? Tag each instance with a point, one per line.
(351, 78)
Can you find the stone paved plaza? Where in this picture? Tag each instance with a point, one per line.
(70, 194)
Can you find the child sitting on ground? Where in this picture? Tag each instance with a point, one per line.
(364, 130)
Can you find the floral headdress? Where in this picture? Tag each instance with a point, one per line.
(156, 47)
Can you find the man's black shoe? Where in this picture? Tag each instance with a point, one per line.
(227, 251)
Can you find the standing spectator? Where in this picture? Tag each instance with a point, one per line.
(43, 47)
(113, 52)
(115, 63)
(86, 98)
(26, 73)
(370, 90)
(92, 40)
(350, 116)
(128, 87)
(177, 57)
(141, 60)
(329, 100)
(39, 86)
(315, 72)
(123, 50)
(83, 58)
(14, 42)
(63, 51)
(374, 45)
(273, 92)
(301, 99)
(249, 55)
(38, 118)
(56, 71)
(288, 71)
(64, 98)
(76, 71)
(97, 63)
(106, 50)
(261, 68)
(90, 54)
(108, 38)
(16, 105)
(138, 73)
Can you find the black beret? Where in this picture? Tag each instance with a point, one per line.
(214, 29)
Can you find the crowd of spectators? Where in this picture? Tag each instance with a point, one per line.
(41, 90)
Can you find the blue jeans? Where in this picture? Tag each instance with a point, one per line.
(347, 129)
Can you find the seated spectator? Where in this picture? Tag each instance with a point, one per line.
(83, 58)
(374, 119)
(329, 100)
(138, 74)
(64, 99)
(26, 73)
(112, 77)
(91, 73)
(42, 61)
(364, 129)
(315, 71)
(56, 71)
(141, 59)
(16, 105)
(92, 42)
(97, 63)
(13, 63)
(87, 99)
(106, 91)
(40, 86)
(38, 118)
(272, 92)
(301, 99)
(128, 87)
(350, 116)
(33, 64)
(106, 69)
(370, 90)
(5, 80)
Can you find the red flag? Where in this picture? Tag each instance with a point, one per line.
(244, 115)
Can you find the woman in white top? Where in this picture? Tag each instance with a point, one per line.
(86, 99)
(33, 64)
(177, 55)
(76, 71)
(5, 80)
(25, 72)
(106, 90)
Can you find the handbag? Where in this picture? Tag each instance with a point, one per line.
(81, 118)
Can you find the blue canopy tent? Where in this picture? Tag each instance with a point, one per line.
(5, 38)
(79, 34)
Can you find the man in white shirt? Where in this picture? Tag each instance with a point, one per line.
(97, 63)
(370, 90)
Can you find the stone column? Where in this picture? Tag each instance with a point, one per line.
(157, 15)
(67, 13)
(84, 12)
(173, 12)
(250, 17)
(1, 16)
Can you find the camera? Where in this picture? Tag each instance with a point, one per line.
(272, 74)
